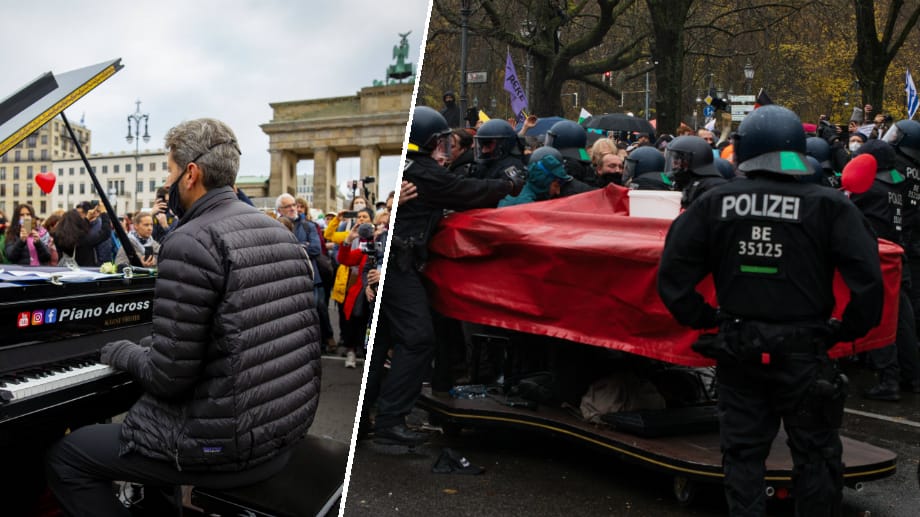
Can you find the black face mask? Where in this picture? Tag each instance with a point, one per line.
(606, 179)
(450, 104)
(174, 204)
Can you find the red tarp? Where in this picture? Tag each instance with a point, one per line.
(578, 268)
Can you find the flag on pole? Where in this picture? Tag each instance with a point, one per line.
(912, 100)
(762, 99)
(513, 86)
(483, 117)
(584, 115)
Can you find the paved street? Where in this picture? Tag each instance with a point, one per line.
(534, 474)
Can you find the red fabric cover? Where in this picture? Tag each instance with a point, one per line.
(577, 268)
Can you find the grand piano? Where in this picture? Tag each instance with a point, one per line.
(54, 320)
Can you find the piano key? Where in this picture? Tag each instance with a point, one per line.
(38, 384)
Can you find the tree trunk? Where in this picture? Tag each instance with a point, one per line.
(668, 17)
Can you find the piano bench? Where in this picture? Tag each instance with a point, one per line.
(310, 484)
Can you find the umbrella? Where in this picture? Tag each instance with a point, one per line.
(619, 122)
(543, 125)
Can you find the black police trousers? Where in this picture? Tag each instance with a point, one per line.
(404, 305)
(753, 398)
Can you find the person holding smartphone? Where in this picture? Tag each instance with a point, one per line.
(28, 244)
(141, 237)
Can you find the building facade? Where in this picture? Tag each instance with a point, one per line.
(130, 182)
(33, 156)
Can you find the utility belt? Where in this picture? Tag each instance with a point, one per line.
(408, 254)
(751, 341)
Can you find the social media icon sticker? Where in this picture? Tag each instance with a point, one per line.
(23, 320)
(51, 316)
(38, 317)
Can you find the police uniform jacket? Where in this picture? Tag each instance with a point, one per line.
(772, 244)
(438, 190)
(883, 205)
(231, 372)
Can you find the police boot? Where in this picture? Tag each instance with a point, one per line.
(886, 389)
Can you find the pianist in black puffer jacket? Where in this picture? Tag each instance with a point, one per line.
(231, 371)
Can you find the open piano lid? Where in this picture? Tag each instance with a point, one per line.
(30, 108)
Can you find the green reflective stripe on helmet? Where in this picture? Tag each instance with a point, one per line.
(896, 176)
(764, 270)
(583, 154)
(791, 161)
(666, 178)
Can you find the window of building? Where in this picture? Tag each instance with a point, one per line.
(44, 154)
(140, 186)
(70, 189)
(29, 172)
(15, 189)
(16, 172)
(16, 155)
(60, 189)
(105, 169)
(31, 140)
(31, 154)
(2, 173)
(29, 189)
(153, 166)
(82, 188)
(140, 167)
(153, 185)
(44, 207)
(127, 167)
(70, 171)
(164, 167)
(3, 189)
(44, 139)
(115, 168)
(82, 170)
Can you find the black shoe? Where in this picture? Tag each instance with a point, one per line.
(882, 392)
(400, 435)
(912, 387)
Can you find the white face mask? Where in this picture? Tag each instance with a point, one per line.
(360, 206)
(854, 146)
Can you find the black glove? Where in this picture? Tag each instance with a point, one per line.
(838, 333)
(114, 354)
(518, 178)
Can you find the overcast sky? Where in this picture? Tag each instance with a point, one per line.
(224, 59)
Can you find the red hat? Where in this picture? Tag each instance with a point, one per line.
(859, 174)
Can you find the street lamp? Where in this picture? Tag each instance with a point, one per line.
(465, 8)
(748, 75)
(137, 117)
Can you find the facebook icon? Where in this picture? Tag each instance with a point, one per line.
(51, 315)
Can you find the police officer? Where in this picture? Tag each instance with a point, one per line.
(771, 244)
(644, 170)
(689, 161)
(818, 148)
(497, 150)
(405, 306)
(883, 206)
(904, 137)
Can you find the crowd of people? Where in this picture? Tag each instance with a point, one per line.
(495, 164)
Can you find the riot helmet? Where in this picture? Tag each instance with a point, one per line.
(570, 138)
(771, 139)
(429, 130)
(725, 168)
(544, 167)
(643, 160)
(690, 154)
(819, 148)
(904, 136)
(495, 140)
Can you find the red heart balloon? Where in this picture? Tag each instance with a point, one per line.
(46, 181)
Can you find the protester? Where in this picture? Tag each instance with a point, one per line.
(230, 373)
(773, 280)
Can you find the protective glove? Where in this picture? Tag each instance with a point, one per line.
(518, 178)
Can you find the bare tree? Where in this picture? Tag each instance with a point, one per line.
(874, 55)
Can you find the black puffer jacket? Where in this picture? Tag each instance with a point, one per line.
(231, 373)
